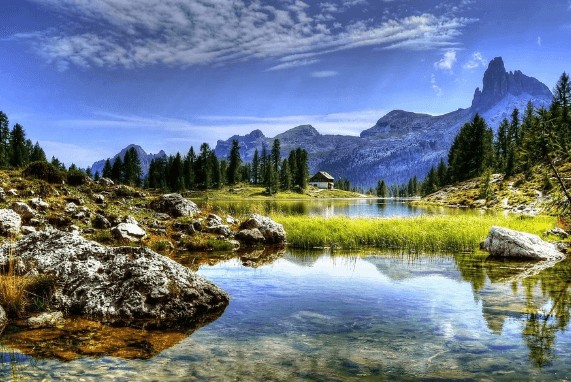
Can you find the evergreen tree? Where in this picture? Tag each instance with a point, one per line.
(256, 168)
(441, 173)
(302, 168)
(96, 177)
(382, 191)
(234, 162)
(57, 163)
(430, 183)
(285, 175)
(264, 166)
(157, 176)
(19, 154)
(471, 151)
(176, 173)
(501, 145)
(117, 170)
(224, 171)
(189, 164)
(276, 155)
(561, 109)
(37, 154)
(246, 172)
(203, 169)
(4, 141)
(132, 171)
(216, 173)
(107, 169)
(529, 153)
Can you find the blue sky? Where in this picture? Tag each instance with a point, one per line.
(86, 78)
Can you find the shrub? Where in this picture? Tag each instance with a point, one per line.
(76, 177)
(44, 171)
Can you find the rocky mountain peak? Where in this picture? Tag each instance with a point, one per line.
(498, 83)
(302, 131)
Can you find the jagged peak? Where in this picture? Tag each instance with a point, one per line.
(301, 130)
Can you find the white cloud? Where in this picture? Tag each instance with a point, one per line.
(125, 33)
(539, 41)
(324, 73)
(476, 61)
(437, 89)
(447, 61)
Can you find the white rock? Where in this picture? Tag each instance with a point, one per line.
(24, 210)
(10, 222)
(504, 242)
(128, 231)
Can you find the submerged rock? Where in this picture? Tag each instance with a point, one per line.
(175, 205)
(504, 242)
(121, 284)
(272, 232)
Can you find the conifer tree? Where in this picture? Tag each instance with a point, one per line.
(276, 155)
(234, 162)
(176, 173)
(189, 172)
(37, 154)
(117, 170)
(382, 190)
(4, 141)
(285, 176)
(107, 169)
(19, 154)
(256, 168)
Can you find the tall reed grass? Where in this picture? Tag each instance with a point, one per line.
(450, 233)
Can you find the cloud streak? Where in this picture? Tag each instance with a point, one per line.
(128, 34)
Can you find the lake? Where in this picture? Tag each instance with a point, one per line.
(321, 316)
(369, 207)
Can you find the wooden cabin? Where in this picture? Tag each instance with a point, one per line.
(322, 180)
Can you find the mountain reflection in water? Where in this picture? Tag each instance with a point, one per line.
(342, 316)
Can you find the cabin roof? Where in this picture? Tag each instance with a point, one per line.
(321, 175)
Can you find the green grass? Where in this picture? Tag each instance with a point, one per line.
(452, 233)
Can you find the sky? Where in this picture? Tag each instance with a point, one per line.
(86, 78)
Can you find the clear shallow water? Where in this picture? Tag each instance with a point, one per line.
(331, 207)
(371, 316)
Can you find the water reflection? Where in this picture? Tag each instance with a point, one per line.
(370, 207)
(325, 315)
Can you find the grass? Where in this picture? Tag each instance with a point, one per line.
(452, 233)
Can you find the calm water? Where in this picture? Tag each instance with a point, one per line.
(344, 317)
(331, 207)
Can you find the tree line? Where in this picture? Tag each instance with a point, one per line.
(204, 170)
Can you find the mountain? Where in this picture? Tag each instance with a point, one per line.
(143, 157)
(401, 144)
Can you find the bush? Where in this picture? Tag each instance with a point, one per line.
(44, 171)
(76, 177)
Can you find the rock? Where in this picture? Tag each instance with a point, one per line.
(250, 236)
(230, 220)
(39, 204)
(71, 208)
(46, 320)
(504, 242)
(175, 205)
(184, 227)
(130, 220)
(3, 318)
(222, 230)
(78, 201)
(24, 210)
(10, 222)
(26, 229)
(128, 231)
(106, 182)
(99, 199)
(272, 232)
(213, 220)
(100, 222)
(559, 232)
(116, 284)
(162, 216)
(2, 194)
(12, 192)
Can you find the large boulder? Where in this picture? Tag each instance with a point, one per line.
(504, 242)
(175, 205)
(10, 222)
(272, 232)
(116, 284)
(128, 231)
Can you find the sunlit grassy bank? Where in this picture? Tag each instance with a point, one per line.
(451, 233)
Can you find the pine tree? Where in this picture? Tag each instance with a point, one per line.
(19, 154)
(285, 176)
(561, 109)
(302, 168)
(117, 170)
(216, 172)
(382, 191)
(132, 171)
(4, 141)
(107, 169)
(176, 173)
(189, 164)
(256, 168)
(37, 154)
(276, 155)
(157, 177)
(203, 167)
(234, 162)
(441, 173)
